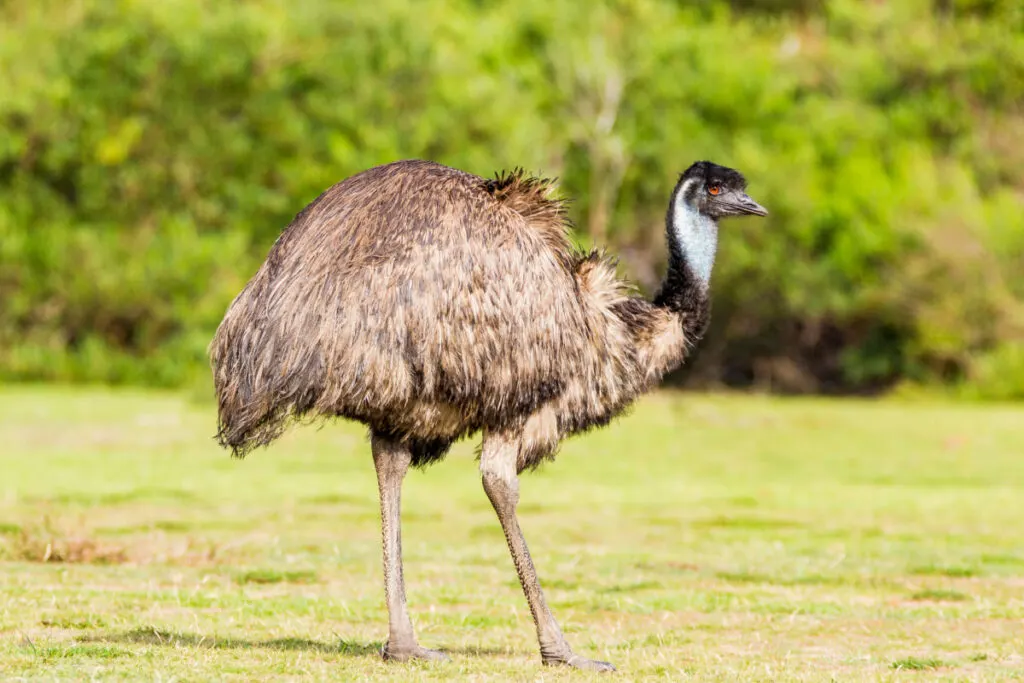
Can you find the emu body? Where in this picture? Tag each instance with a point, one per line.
(429, 304)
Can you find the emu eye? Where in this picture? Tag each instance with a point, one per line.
(714, 189)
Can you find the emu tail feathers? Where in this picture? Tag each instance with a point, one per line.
(261, 386)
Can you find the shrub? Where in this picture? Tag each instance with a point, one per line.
(151, 152)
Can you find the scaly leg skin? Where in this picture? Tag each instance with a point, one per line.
(501, 483)
(391, 461)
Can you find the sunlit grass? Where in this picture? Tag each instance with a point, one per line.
(702, 537)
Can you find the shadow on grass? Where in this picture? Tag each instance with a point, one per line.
(150, 636)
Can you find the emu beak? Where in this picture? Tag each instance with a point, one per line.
(746, 205)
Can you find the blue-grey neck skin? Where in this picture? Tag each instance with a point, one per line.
(695, 235)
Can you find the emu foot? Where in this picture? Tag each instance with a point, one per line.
(405, 653)
(577, 662)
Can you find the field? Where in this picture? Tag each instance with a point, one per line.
(702, 537)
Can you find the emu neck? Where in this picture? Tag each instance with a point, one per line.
(692, 242)
(695, 235)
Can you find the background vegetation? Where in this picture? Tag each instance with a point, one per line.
(151, 152)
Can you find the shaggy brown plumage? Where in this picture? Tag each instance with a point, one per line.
(430, 303)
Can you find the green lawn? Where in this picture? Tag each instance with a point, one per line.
(702, 537)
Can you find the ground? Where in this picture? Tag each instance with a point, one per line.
(702, 537)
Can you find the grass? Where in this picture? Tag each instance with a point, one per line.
(917, 664)
(275, 576)
(703, 538)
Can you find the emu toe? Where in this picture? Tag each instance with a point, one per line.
(405, 654)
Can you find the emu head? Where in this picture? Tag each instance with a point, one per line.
(705, 193)
(716, 191)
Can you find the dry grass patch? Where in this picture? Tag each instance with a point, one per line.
(47, 542)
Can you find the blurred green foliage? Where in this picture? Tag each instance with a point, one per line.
(151, 152)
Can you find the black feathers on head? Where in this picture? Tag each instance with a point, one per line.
(706, 174)
(711, 173)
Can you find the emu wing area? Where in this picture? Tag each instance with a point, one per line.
(413, 297)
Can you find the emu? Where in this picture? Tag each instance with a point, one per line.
(430, 304)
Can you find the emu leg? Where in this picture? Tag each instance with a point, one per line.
(501, 483)
(392, 460)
